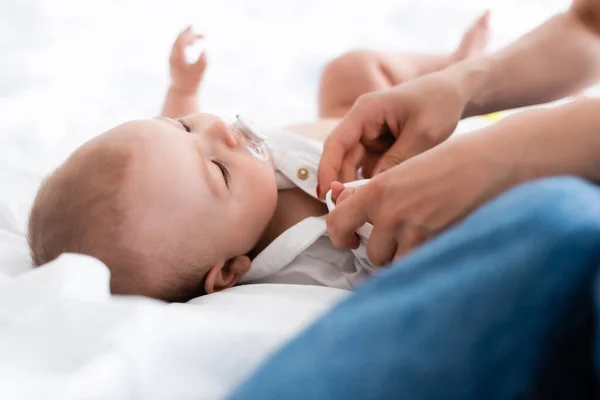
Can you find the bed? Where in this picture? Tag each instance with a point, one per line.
(63, 336)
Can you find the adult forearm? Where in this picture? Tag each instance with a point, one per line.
(541, 143)
(559, 58)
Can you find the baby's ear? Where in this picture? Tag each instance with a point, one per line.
(226, 274)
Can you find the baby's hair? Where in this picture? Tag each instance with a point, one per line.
(79, 209)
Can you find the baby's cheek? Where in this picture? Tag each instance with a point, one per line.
(261, 192)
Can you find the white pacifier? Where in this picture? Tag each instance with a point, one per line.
(252, 139)
(364, 231)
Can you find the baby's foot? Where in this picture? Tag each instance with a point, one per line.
(475, 39)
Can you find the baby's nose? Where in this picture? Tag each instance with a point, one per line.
(219, 130)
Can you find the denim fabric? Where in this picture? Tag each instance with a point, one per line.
(499, 307)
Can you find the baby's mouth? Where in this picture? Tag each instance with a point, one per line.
(252, 139)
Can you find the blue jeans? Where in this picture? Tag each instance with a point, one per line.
(499, 307)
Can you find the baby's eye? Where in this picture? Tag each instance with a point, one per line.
(185, 125)
(224, 172)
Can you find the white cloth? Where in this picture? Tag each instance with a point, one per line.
(63, 336)
(304, 254)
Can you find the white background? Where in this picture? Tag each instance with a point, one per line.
(71, 69)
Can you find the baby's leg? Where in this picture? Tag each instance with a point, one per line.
(362, 71)
(357, 72)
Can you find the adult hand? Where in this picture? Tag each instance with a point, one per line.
(388, 127)
(413, 201)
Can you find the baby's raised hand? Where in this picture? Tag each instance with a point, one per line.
(186, 77)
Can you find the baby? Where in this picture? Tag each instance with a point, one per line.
(184, 206)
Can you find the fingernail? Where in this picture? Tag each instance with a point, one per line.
(318, 190)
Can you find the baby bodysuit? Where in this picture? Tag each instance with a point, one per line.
(304, 254)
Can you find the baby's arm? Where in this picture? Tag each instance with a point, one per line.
(182, 97)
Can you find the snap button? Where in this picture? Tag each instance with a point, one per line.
(302, 174)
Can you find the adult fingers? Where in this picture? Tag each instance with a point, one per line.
(390, 241)
(341, 141)
(344, 195)
(380, 139)
(369, 162)
(347, 217)
(343, 147)
(382, 245)
(409, 144)
(410, 238)
(336, 189)
(349, 170)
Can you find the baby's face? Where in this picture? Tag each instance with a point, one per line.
(193, 185)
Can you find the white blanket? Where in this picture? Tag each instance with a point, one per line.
(62, 336)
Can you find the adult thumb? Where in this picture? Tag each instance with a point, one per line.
(398, 153)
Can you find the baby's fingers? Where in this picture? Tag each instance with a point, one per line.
(193, 38)
(177, 51)
(183, 37)
(186, 38)
(200, 64)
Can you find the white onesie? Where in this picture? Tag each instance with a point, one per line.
(304, 254)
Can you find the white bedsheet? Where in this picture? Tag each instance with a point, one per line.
(63, 337)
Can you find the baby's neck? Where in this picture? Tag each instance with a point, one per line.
(293, 205)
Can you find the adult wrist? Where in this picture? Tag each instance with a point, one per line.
(471, 76)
